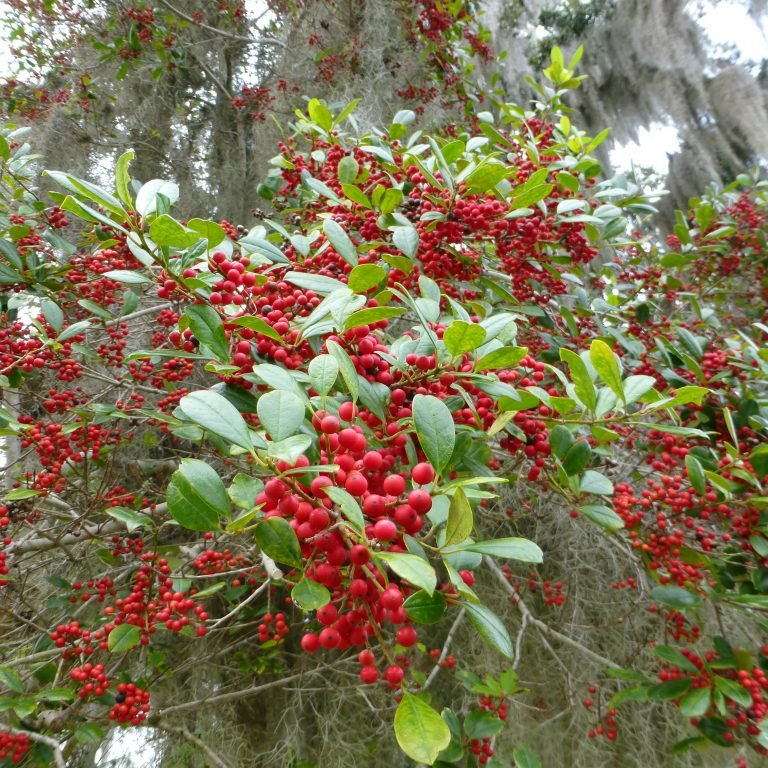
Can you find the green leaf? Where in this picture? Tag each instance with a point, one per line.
(486, 176)
(673, 656)
(208, 230)
(166, 231)
(491, 628)
(412, 568)
(127, 276)
(481, 725)
(715, 729)
(196, 496)
(672, 689)
(11, 680)
(696, 474)
(582, 382)
(347, 368)
(277, 540)
(89, 192)
(524, 758)
(435, 429)
(424, 608)
(348, 505)
(347, 169)
(206, 326)
(146, 199)
(505, 357)
(309, 595)
(244, 489)
(123, 637)
(339, 239)
(371, 315)
(460, 519)
(461, 337)
(281, 413)
(637, 386)
(513, 548)
(366, 276)
(320, 114)
(604, 516)
(732, 690)
(257, 324)
(122, 177)
(560, 439)
(406, 240)
(323, 371)
(577, 458)
(675, 597)
(132, 520)
(606, 363)
(317, 283)
(214, 413)
(420, 731)
(695, 703)
(595, 482)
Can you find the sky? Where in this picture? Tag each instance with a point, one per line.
(729, 27)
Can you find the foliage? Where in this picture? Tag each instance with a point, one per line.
(321, 414)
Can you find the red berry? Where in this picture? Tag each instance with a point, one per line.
(394, 485)
(369, 675)
(310, 642)
(423, 473)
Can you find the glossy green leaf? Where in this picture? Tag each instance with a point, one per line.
(695, 703)
(281, 413)
(371, 315)
(491, 628)
(340, 241)
(505, 357)
(423, 608)
(346, 367)
(412, 568)
(277, 540)
(582, 382)
(348, 505)
(406, 240)
(166, 231)
(435, 429)
(309, 595)
(513, 548)
(123, 637)
(365, 276)
(206, 326)
(606, 363)
(323, 371)
(460, 519)
(196, 496)
(420, 731)
(603, 516)
(214, 413)
(675, 597)
(461, 337)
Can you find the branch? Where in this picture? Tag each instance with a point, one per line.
(264, 39)
(213, 758)
(106, 528)
(231, 695)
(446, 645)
(540, 625)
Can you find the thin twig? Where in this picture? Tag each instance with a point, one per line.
(540, 625)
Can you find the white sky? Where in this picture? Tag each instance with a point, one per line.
(730, 28)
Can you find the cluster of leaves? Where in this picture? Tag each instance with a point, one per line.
(331, 402)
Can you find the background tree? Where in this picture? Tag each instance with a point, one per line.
(441, 272)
